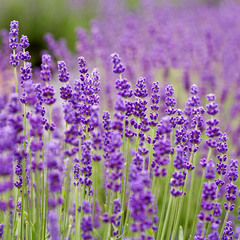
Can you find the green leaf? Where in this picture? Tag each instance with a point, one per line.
(180, 237)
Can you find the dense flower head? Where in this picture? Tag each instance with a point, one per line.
(212, 107)
(13, 35)
(141, 90)
(54, 227)
(63, 74)
(26, 72)
(48, 93)
(45, 66)
(82, 65)
(124, 88)
(86, 227)
(118, 67)
(24, 56)
(228, 231)
(66, 92)
(24, 42)
(14, 60)
(55, 181)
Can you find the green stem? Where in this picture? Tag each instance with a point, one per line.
(199, 197)
(15, 215)
(179, 209)
(23, 174)
(123, 150)
(166, 219)
(37, 197)
(125, 186)
(190, 198)
(224, 223)
(76, 213)
(174, 207)
(126, 221)
(165, 198)
(7, 220)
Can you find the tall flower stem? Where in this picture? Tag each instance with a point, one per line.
(76, 213)
(199, 197)
(166, 192)
(174, 207)
(224, 223)
(166, 219)
(125, 186)
(37, 197)
(15, 214)
(23, 174)
(124, 172)
(179, 208)
(190, 197)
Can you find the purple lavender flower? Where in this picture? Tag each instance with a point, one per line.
(53, 224)
(63, 74)
(45, 66)
(118, 67)
(13, 35)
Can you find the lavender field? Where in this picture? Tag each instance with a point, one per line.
(133, 135)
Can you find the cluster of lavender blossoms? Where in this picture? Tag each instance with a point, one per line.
(146, 168)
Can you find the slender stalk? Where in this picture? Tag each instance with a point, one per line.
(173, 213)
(23, 174)
(190, 198)
(224, 223)
(7, 220)
(76, 213)
(123, 150)
(199, 197)
(94, 187)
(38, 220)
(126, 222)
(166, 219)
(179, 210)
(165, 198)
(15, 215)
(125, 186)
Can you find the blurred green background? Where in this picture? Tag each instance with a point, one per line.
(60, 17)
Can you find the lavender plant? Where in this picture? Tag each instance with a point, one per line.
(147, 168)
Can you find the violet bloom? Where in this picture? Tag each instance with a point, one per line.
(26, 70)
(231, 188)
(161, 147)
(86, 169)
(45, 66)
(63, 75)
(53, 225)
(13, 42)
(29, 96)
(228, 231)
(1, 230)
(179, 176)
(155, 98)
(141, 202)
(207, 203)
(86, 227)
(13, 35)
(114, 162)
(118, 67)
(222, 157)
(212, 130)
(48, 95)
